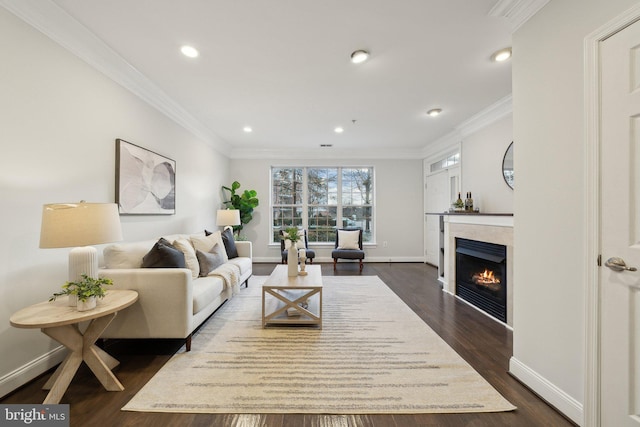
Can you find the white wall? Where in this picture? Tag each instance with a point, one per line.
(548, 114)
(399, 208)
(59, 119)
(482, 154)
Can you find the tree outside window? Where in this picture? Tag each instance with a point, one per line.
(322, 200)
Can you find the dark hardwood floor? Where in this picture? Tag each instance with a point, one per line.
(484, 343)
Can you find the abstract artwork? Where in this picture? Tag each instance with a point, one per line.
(145, 181)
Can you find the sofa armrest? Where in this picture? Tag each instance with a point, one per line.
(245, 249)
(165, 302)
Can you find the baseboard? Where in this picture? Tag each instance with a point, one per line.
(31, 370)
(564, 403)
(329, 259)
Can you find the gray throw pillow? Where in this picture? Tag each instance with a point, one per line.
(163, 255)
(211, 260)
(229, 243)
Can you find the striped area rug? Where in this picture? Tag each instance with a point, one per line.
(373, 355)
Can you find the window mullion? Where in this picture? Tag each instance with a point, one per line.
(305, 199)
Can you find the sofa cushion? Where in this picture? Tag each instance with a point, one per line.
(229, 243)
(163, 255)
(211, 260)
(243, 263)
(190, 258)
(205, 291)
(206, 243)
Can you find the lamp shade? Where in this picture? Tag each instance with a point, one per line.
(66, 225)
(228, 217)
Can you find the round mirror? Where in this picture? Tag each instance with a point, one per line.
(507, 166)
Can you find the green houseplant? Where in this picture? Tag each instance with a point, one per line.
(86, 291)
(245, 202)
(293, 234)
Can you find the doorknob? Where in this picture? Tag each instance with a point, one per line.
(618, 264)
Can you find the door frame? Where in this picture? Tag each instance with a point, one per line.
(593, 144)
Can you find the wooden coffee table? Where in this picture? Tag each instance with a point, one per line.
(292, 300)
(60, 321)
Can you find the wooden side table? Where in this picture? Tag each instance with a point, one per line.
(60, 321)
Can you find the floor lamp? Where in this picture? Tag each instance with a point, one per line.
(80, 225)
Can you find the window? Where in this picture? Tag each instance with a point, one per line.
(447, 162)
(321, 199)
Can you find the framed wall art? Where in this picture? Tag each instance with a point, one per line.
(145, 181)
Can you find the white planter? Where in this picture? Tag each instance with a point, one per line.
(292, 260)
(89, 304)
(72, 301)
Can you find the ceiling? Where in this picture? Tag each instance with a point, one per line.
(282, 66)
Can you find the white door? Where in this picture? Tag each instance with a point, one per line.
(620, 229)
(436, 200)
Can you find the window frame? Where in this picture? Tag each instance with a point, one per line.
(305, 206)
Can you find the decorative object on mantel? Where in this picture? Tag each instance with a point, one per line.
(468, 202)
(458, 205)
(245, 203)
(145, 181)
(85, 292)
(81, 224)
(291, 236)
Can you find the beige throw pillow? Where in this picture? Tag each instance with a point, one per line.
(348, 239)
(189, 255)
(206, 243)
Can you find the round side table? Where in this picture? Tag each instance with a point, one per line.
(60, 321)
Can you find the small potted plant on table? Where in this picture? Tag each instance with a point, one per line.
(86, 291)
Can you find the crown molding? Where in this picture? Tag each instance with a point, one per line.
(62, 28)
(487, 116)
(517, 12)
(325, 153)
(479, 121)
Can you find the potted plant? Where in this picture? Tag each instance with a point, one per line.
(245, 203)
(292, 234)
(86, 291)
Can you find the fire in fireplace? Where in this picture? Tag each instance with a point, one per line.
(481, 276)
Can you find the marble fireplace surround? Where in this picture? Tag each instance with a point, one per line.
(491, 228)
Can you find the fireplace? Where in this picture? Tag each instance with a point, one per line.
(481, 276)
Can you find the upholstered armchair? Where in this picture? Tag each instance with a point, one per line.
(310, 252)
(348, 246)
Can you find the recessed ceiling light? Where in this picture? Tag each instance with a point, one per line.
(434, 112)
(359, 56)
(247, 129)
(501, 55)
(339, 129)
(189, 51)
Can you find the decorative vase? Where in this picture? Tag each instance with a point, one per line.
(292, 260)
(89, 304)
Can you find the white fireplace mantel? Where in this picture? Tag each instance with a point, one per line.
(491, 228)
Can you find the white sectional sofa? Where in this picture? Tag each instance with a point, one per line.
(172, 302)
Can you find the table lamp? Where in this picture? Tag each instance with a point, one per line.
(80, 225)
(228, 217)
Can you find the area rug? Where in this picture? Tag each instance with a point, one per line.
(373, 355)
